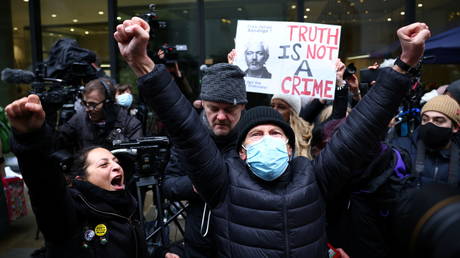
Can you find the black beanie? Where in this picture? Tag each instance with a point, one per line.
(263, 115)
(454, 89)
(224, 83)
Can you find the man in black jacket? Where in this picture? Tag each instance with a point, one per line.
(265, 206)
(223, 95)
(434, 152)
(100, 123)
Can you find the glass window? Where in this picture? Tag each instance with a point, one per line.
(84, 21)
(175, 31)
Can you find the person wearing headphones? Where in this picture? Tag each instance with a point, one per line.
(102, 121)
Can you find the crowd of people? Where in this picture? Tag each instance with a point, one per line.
(290, 179)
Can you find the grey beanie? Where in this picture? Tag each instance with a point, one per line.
(224, 83)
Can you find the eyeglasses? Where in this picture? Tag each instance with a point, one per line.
(91, 105)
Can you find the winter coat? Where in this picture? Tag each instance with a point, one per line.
(283, 218)
(80, 131)
(178, 186)
(70, 217)
(436, 163)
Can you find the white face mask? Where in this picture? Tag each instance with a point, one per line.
(125, 100)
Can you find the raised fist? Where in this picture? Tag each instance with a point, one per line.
(412, 38)
(133, 37)
(26, 114)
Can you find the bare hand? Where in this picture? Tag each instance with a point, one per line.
(26, 114)
(133, 37)
(353, 83)
(339, 70)
(375, 66)
(161, 54)
(342, 253)
(231, 56)
(412, 38)
(171, 255)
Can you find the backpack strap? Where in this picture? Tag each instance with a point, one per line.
(453, 164)
(419, 161)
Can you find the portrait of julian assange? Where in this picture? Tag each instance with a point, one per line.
(256, 54)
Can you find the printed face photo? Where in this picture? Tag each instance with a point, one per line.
(255, 55)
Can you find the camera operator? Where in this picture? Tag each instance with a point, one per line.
(102, 121)
(96, 216)
(266, 206)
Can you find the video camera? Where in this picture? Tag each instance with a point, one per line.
(59, 80)
(151, 18)
(151, 154)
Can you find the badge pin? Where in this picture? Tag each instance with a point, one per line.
(104, 241)
(89, 235)
(100, 230)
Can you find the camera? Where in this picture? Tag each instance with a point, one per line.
(349, 71)
(151, 154)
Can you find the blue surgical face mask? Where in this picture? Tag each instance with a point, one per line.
(125, 100)
(267, 158)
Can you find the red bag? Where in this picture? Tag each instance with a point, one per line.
(15, 198)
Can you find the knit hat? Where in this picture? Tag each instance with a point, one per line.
(291, 100)
(263, 115)
(224, 83)
(446, 105)
(454, 89)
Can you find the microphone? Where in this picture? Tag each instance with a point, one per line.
(17, 76)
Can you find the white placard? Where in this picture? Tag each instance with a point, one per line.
(288, 57)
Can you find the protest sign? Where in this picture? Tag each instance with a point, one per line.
(288, 57)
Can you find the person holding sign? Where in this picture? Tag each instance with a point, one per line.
(265, 202)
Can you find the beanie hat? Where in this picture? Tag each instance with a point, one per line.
(224, 83)
(263, 115)
(291, 100)
(446, 105)
(454, 89)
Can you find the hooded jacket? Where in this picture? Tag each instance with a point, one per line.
(283, 218)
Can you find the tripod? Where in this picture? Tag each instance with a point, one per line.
(151, 156)
(164, 211)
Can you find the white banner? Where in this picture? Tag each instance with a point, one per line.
(288, 57)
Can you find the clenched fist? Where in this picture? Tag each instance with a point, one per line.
(26, 114)
(133, 37)
(412, 38)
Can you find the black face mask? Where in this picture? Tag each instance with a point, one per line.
(435, 137)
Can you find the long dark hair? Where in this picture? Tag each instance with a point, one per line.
(80, 164)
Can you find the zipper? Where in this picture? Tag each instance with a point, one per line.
(436, 168)
(130, 222)
(286, 235)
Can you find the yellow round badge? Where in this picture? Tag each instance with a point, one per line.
(100, 230)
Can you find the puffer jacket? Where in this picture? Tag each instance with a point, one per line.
(284, 218)
(178, 186)
(66, 216)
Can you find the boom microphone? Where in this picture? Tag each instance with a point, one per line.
(17, 76)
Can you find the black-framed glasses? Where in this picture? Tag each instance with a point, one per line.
(91, 105)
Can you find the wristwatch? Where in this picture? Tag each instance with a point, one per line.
(407, 68)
